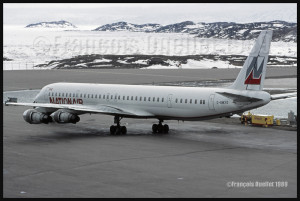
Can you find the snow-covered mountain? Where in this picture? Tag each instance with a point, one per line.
(54, 24)
(283, 31)
(124, 26)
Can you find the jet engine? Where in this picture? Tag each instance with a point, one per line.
(62, 117)
(34, 117)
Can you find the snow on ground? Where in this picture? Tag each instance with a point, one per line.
(278, 108)
(194, 26)
(195, 64)
(40, 46)
(242, 31)
(122, 62)
(101, 60)
(141, 61)
(160, 67)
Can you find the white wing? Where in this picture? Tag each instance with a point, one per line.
(104, 109)
(283, 96)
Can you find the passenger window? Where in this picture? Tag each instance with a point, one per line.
(111, 97)
(88, 95)
(149, 99)
(70, 95)
(144, 98)
(195, 101)
(80, 95)
(49, 93)
(73, 94)
(203, 101)
(91, 95)
(55, 94)
(157, 99)
(103, 96)
(131, 97)
(141, 98)
(76, 95)
(99, 96)
(176, 100)
(136, 98)
(153, 99)
(181, 100)
(95, 95)
(185, 100)
(162, 100)
(58, 94)
(200, 101)
(191, 100)
(115, 97)
(52, 94)
(123, 97)
(127, 97)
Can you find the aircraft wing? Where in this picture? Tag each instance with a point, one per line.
(283, 96)
(104, 109)
(239, 98)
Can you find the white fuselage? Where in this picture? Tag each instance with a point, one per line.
(162, 102)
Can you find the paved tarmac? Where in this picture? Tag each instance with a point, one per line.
(36, 79)
(196, 159)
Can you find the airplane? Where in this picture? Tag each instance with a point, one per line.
(64, 102)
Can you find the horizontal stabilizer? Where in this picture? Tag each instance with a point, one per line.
(239, 98)
(283, 96)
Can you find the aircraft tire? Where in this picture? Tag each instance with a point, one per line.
(113, 129)
(166, 128)
(123, 130)
(154, 128)
(160, 128)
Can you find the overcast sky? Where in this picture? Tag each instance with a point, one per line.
(164, 13)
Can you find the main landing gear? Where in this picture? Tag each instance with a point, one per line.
(159, 128)
(122, 130)
(118, 129)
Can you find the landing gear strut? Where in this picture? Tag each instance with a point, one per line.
(159, 128)
(118, 129)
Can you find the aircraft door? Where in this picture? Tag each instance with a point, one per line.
(170, 100)
(211, 100)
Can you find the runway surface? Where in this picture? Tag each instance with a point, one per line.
(196, 159)
(36, 79)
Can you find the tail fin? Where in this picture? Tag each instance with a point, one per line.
(252, 75)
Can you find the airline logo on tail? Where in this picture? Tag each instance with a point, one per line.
(254, 71)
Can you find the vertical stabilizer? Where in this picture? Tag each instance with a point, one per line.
(252, 75)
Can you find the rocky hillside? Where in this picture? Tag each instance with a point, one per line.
(283, 31)
(54, 24)
(96, 61)
(124, 26)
